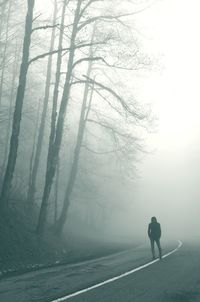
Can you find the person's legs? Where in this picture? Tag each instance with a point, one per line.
(152, 248)
(159, 248)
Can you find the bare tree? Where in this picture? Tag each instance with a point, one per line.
(10, 113)
(53, 153)
(55, 141)
(74, 168)
(18, 108)
(32, 183)
(5, 50)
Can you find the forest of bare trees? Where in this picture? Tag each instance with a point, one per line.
(99, 145)
(70, 128)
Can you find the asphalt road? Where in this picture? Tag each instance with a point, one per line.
(175, 278)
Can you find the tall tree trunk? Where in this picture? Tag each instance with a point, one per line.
(12, 92)
(53, 152)
(32, 183)
(18, 109)
(57, 79)
(55, 102)
(2, 10)
(34, 147)
(5, 51)
(56, 192)
(74, 169)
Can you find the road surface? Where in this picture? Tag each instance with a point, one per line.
(175, 278)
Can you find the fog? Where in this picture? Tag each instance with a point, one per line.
(167, 185)
(125, 145)
(169, 182)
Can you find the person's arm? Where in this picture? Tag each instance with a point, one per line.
(159, 231)
(149, 231)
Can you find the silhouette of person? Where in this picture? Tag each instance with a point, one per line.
(154, 233)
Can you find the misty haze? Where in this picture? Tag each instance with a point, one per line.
(100, 151)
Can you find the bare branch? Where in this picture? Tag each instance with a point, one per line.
(119, 98)
(111, 91)
(87, 60)
(98, 152)
(50, 53)
(112, 129)
(108, 102)
(45, 27)
(36, 17)
(63, 49)
(106, 17)
(106, 63)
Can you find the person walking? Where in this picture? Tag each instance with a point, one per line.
(154, 233)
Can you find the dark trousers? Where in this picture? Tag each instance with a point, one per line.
(157, 241)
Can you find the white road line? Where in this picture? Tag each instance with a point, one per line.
(117, 277)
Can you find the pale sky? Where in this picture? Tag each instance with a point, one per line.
(170, 178)
(172, 28)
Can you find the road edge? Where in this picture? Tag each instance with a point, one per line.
(82, 291)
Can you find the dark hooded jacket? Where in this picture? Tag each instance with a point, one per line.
(154, 230)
